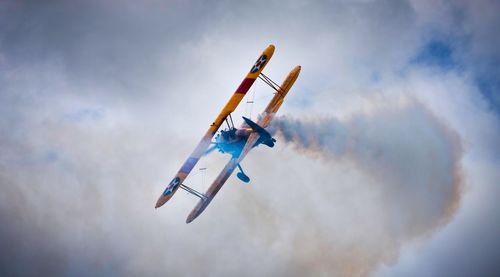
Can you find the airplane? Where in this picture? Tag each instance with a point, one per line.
(234, 141)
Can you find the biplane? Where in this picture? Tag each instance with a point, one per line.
(234, 141)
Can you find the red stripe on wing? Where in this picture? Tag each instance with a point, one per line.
(245, 85)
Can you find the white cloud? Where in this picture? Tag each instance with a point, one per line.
(81, 192)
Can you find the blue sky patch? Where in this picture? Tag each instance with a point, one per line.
(489, 87)
(436, 53)
(440, 53)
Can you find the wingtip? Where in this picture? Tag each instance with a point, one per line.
(160, 202)
(271, 48)
(190, 218)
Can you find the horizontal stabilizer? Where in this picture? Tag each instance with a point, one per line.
(265, 137)
(262, 132)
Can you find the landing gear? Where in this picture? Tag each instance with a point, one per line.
(242, 176)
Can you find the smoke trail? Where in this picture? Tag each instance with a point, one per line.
(406, 148)
(414, 160)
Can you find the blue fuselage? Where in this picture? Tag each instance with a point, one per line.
(231, 141)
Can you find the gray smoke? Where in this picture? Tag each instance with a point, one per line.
(412, 162)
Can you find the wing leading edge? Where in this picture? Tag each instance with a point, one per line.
(265, 118)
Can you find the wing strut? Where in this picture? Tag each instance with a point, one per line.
(230, 126)
(270, 82)
(194, 192)
(231, 118)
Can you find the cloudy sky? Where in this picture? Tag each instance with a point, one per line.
(387, 161)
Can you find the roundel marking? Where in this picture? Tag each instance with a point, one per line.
(172, 186)
(258, 64)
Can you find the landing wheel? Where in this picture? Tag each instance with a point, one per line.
(243, 177)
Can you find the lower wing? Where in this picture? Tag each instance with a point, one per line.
(265, 119)
(213, 189)
(222, 178)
